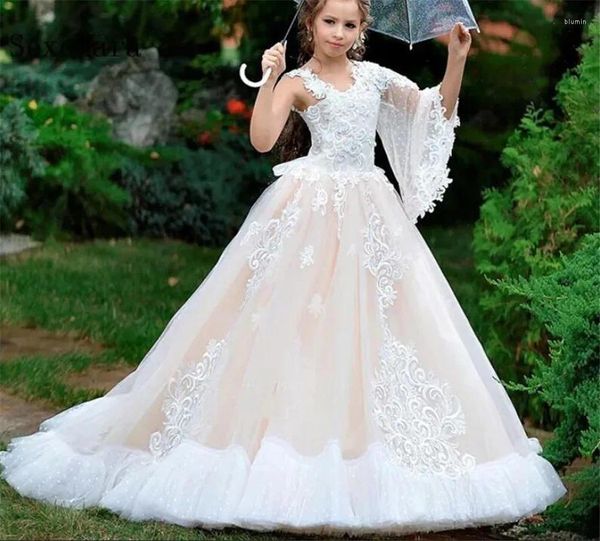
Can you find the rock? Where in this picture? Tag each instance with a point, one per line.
(137, 97)
(13, 244)
(60, 100)
(44, 11)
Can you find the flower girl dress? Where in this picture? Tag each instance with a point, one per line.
(323, 377)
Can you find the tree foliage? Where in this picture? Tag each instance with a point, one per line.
(548, 206)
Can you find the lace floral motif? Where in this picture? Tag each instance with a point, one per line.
(184, 397)
(431, 178)
(269, 241)
(316, 306)
(383, 262)
(340, 195)
(417, 414)
(306, 256)
(255, 318)
(332, 185)
(319, 202)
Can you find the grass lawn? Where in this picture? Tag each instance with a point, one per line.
(121, 294)
(116, 293)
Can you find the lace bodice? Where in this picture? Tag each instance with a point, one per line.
(343, 123)
(411, 122)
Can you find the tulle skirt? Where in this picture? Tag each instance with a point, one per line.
(322, 378)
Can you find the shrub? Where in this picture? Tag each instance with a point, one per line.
(550, 203)
(45, 80)
(565, 302)
(197, 195)
(75, 193)
(19, 160)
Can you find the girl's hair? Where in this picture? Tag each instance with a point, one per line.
(294, 140)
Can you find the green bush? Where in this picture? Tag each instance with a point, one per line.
(550, 203)
(75, 193)
(19, 30)
(120, 27)
(565, 302)
(45, 80)
(94, 186)
(174, 199)
(199, 195)
(19, 161)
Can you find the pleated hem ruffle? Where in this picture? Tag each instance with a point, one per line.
(280, 490)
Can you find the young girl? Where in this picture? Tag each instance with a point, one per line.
(323, 377)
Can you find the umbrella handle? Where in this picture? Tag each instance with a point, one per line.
(267, 72)
(254, 84)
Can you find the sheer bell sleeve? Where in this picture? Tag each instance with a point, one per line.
(417, 139)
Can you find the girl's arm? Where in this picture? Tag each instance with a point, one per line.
(451, 83)
(273, 102)
(270, 113)
(458, 48)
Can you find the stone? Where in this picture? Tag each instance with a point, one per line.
(138, 99)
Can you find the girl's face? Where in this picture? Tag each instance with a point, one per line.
(336, 27)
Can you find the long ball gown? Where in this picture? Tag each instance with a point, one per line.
(323, 377)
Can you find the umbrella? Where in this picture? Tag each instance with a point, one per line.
(411, 21)
(416, 20)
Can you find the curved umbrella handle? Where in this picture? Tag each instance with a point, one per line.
(254, 84)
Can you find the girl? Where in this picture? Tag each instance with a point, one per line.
(323, 377)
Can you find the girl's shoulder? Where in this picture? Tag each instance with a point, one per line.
(294, 72)
(304, 78)
(383, 77)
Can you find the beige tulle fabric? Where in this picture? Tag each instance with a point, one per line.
(323, 377)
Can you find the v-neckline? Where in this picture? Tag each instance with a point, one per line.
(353, 76)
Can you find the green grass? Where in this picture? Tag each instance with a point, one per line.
(116, 293)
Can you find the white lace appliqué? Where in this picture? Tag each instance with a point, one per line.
(319, 202)
(384, 263)
(306, 256)
(342, 124)
(417, 414)
(255, 319)
(432, 176)
(316, 306)
(185, 392)
(269, 242)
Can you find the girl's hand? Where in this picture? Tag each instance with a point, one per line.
(274, 58)
(460, 41)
